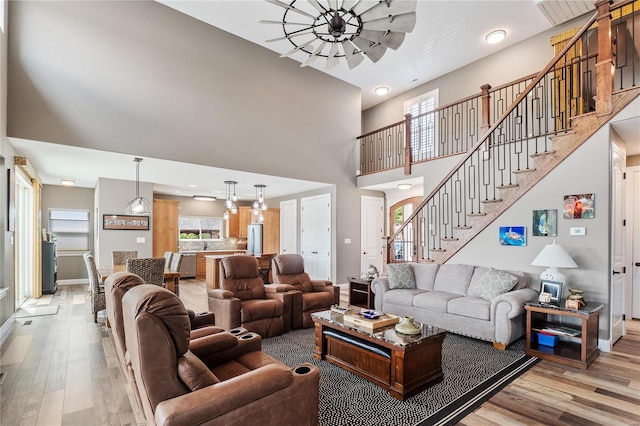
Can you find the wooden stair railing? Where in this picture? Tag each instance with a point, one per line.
(484, 182)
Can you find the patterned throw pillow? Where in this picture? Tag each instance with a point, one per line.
(492, 284)
(401, 275)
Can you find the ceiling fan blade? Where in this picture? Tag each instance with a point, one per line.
(317, 6)
(295, 49)
(382, 10)
(291, 8)
(364, 5)
(332, 60)
(283, 23)
(312, 58)
(374, 52)
(401, 23)
(387, 39)
(286, 37)
(351, 54)
(348, 4)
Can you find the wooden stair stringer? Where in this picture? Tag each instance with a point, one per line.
(584, 127)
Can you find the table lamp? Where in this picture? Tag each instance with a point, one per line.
(554, 256)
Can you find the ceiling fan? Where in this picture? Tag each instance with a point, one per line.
(350, 29)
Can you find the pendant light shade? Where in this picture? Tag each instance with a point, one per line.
(139, 206)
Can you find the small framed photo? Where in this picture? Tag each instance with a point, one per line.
(124, 222)
(554, 288)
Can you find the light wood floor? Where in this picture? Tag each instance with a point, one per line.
(61, 370)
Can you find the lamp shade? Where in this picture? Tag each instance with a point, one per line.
(554, 256)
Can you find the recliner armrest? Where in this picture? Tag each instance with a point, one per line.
(318, 285)
(203, 319)
(278, 288)
(205, 331)
(221, 294)
(213, 401)
(205, 345)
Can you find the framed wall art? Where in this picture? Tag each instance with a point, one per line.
(545, 223)
(125, 222)
(580, 206)
(513, 235)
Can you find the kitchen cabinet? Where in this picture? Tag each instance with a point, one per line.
(165, 226)
(201, 260)
(233, 226)
(244, 219)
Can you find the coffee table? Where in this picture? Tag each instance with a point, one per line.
(404, 365)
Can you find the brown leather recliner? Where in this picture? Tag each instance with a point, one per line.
(178, 388)
(117, 284)
(244, 301)
(314, 296)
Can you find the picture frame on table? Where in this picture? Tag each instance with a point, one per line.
(554, 288)
(125, 222)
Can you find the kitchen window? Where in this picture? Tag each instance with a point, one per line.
(194, 228)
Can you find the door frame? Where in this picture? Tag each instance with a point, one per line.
(365, 231)
(617, 151)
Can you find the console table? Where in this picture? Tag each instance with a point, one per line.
(578, 350)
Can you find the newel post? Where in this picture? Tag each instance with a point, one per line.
(407, 144)
(486, 109)
(605, 67)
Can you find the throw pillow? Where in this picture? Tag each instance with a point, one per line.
(400, 275)
(492, 284)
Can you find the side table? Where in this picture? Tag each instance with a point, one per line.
(577, 345)
(360, 293)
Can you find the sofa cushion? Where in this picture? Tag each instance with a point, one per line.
(435, 301)
(424, 275)
(453, 278)
(401, 275)
(402, 296)
(470, 306)
(492, 284)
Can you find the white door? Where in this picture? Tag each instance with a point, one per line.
(315, 229)
(618, 245)
(24, 237)
(634, 182)
(371, 231)
(288, 226)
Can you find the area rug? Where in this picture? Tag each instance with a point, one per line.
(37, 310)
(473, 371)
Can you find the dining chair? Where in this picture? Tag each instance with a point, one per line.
(150, 269)
(176, 262)
(168, 255)
(98, 302)
(119, 257)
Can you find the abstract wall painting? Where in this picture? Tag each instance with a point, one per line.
(580, 206)
(545, 223)
(513, 235)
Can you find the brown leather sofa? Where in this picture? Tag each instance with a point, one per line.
(243, 300)
(314, 296)
(177, 388)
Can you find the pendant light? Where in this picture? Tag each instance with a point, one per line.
(139, 206)
(230, 201)
(259, 205)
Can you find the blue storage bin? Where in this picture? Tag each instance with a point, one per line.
(547, 340)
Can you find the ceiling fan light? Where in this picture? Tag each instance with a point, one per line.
(495, 37)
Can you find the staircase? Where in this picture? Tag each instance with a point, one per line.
(544, 124)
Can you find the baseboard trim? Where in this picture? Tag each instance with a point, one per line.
(6, 327)
(74, 281)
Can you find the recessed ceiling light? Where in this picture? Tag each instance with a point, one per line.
(404, 186)
(381, 90)
(191, 185)
(204, 198)
(495, 37)
(67, 182)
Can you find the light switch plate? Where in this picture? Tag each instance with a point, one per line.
(347, 240)
(140, 240)
(577, 231)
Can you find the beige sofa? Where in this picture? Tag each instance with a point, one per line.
(440, 298)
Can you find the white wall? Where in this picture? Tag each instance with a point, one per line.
(112, 197)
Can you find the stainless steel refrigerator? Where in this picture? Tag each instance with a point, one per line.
(254, 239)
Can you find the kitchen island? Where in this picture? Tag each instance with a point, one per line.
(201, 265)
(213, 268)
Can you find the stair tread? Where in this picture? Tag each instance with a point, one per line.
(540, 154)
(523, 171)
(495, 200)
(462, 227)
(513, 185)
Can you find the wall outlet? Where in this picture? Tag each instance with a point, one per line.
(577, 231)
(140, 240)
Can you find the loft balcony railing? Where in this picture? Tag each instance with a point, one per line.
(581, 78)
(453, 129)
